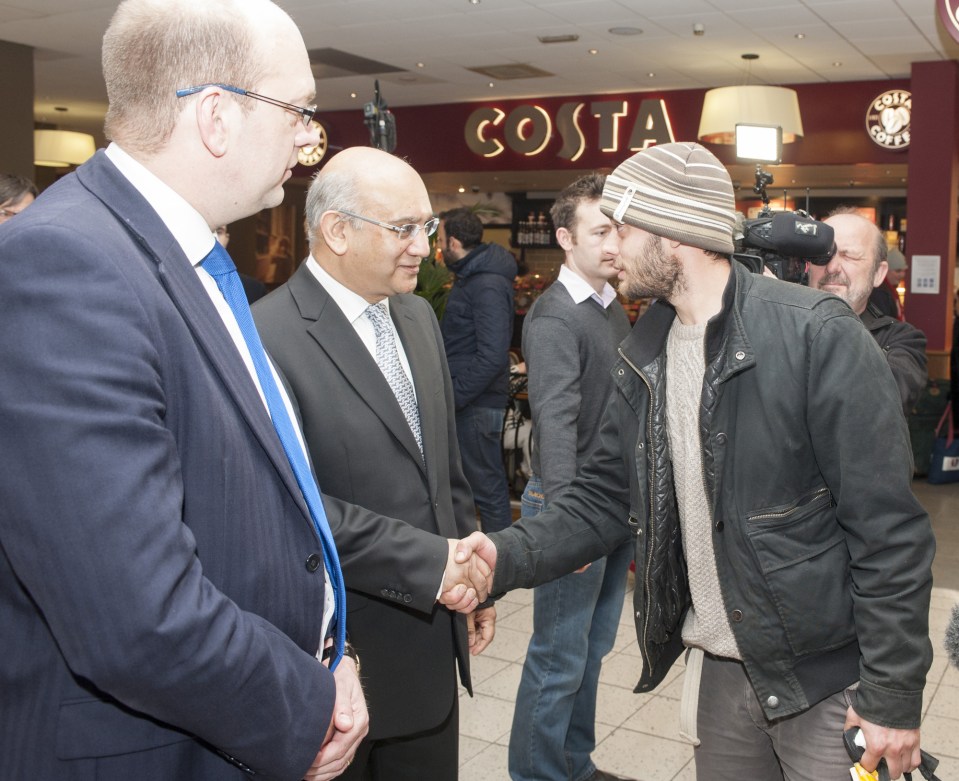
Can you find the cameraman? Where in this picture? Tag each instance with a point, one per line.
(857, 267)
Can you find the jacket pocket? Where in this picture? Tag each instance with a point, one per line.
(804, 562)
(96, 728)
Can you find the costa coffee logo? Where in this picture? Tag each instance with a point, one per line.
(888, 119)
(949, 16)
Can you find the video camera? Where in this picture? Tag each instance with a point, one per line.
(783, 241)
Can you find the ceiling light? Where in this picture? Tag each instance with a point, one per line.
(800, 36)
(651, 75)
(474, 2)
(61, 148)
(837, 64)
(625, 30)
(420, 65)
(594, 51)
(352, 94)
(726, 107)
(461, 189)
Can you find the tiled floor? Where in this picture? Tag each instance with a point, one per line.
(637, 733)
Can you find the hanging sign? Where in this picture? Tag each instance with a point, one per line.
(889, 116)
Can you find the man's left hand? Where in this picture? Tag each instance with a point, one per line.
(481, 627)
(899, 747)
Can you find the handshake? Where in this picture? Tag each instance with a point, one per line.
(468, 579)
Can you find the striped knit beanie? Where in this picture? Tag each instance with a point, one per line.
(678, 191)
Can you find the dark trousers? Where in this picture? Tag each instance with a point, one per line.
(432, 755)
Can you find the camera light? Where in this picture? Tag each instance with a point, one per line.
(759, 143)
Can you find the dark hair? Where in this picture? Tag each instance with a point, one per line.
(14, 187)
(586, 189)
(463, 224)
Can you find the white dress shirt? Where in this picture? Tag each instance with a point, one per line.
(579, 289)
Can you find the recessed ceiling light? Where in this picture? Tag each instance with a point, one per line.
(352, 94)
(474, 2)
(594, 51)
(491, 85)
(651, 75)
(420, 65)
(800, 36)
(837, 64)
(626, 30)
(461, 189)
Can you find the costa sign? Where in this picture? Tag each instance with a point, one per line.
(948, 11)
(609, 124)
(888, 119)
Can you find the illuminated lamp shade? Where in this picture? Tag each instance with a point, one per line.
(726, 107)
(61, 148)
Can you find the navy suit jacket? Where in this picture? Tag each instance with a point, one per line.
(364, 454)
(158, 602)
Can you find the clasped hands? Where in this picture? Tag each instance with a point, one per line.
(468, 579)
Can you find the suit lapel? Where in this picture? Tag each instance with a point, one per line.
(179, 279)
(334, 334)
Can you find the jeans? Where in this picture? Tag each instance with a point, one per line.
(479, 431)
(575, 619)
(738, 741)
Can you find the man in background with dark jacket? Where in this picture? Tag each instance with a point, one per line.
(477, 328)
(860, 264)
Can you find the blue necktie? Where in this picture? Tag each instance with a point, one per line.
(219, 265)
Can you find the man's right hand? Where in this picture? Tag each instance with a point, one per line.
(466, 582)
(349, 725)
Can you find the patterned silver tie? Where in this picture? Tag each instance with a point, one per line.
(388, 359)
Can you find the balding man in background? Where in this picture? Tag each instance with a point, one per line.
(860, 263)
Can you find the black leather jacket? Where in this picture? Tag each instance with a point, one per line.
(823, 553)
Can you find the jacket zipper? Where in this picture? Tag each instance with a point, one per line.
(784, 513)
(651, 471)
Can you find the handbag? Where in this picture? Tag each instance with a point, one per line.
(944, 463)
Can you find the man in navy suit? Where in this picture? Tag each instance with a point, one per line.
(162, 589)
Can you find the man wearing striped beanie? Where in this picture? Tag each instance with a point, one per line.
(755, 451)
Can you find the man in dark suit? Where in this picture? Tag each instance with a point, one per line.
(365, 360)
(162, 589)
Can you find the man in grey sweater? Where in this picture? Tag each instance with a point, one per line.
(569, 343)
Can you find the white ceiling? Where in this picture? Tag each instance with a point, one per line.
(843, 40)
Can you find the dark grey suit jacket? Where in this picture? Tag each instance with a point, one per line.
(364, 454)
(155, 598)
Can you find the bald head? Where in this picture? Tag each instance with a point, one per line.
(859, 263)
(154, 47)
(358, 179)
(356, 210)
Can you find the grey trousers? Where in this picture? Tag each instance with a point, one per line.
(738, 742)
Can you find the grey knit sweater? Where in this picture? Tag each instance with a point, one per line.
(569, 350)
(706, 626)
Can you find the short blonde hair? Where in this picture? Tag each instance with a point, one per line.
(154, 47)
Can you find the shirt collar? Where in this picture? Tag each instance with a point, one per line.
(181, 219)
(352, 304)
(579, 289)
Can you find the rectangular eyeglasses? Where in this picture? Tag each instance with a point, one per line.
(409, 231)
(306, 112)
